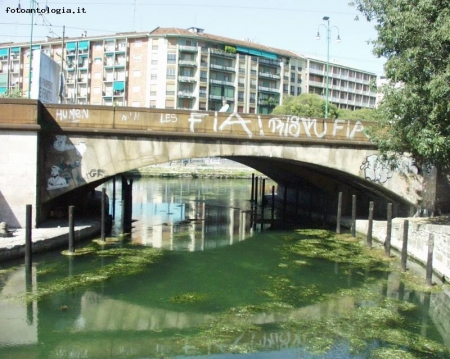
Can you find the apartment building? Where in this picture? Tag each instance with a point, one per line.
(185, 69)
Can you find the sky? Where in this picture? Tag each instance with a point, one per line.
(288, 24)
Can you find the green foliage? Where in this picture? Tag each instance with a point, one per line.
(414, 37)
(12, 94)
(230, 49)
(365, 114)
(306, 105)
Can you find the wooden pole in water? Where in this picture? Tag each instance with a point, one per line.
(113, 213)
(273, 202)
(253, 187)
(263, 190)
(405, 245)
(28, 239)
(122, 217)
(429, 274)
(103, 209)
(387, 244)
(370, 225)
(353, 215)
(339, 214)
(256, 191)
(71, 229)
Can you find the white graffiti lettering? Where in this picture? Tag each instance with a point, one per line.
(195, 118)
(235, 119)
(72, 115)
(134, 116)
(169, 118)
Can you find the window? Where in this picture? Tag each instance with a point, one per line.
(153, 90)
(203, 75)
(137, 58)
(138, 43)
(170, 103)
(171, 58)
(136, 89)
(154, 62)
(152, 103)
(153, 77)
(170, 90)
(170, 73)
(137, 73)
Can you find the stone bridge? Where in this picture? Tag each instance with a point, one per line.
(54, 153)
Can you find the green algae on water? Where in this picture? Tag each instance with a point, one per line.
(128, 261)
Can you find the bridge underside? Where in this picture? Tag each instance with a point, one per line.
(316, 188)
(311, 175)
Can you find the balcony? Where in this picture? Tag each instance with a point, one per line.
(222, 68)
(316, 71)
(216, 97)
(186, 79)
(269, 75)
(221, 82)
(185, 48)
(222, 53)
(186, 94)
(269, 62)
(190, 63)
(268, 89)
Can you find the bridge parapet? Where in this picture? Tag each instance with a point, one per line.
(140, 121)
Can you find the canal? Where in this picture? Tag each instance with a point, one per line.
(202, 277)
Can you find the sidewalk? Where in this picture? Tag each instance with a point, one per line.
(50, 235)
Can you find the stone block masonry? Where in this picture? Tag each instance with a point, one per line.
(418, 235)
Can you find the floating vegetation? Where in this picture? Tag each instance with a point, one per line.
(8, 270)
(189, 298)
(128, 261)
(79, 251)
(107, 241)
(337, 248)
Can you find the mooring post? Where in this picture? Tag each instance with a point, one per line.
(370, 225)
(429, 274)
(273, 202)
(263, 190)
(405, 244)
(339, 214)
(253, 188)
(28, 249)
(71, 229)
(354, 215)
(387, 244)
(103, 220)
(122, 217)
(256, 191)
(130, 205)
(113, 209)
(123, 221)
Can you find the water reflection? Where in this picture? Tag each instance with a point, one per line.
(191, 214)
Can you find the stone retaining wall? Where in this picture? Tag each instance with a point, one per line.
(418, 236)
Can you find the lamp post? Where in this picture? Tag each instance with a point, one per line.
(32, 2)
(338, 39)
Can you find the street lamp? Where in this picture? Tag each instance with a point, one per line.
(32, 3)
(338, 39)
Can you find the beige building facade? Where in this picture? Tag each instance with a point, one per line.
(185, 69)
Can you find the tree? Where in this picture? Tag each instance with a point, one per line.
(414, 36)
(306, 105)
(12, 94)
(366, 114)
